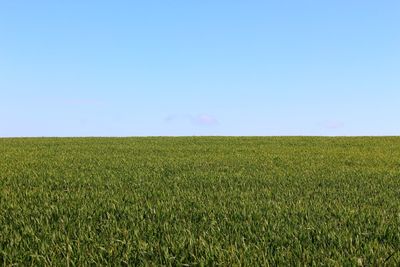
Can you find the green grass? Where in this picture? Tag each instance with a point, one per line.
(200, 201)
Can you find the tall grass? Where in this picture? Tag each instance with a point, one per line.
(200, 201)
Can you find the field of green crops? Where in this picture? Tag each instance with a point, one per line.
(200, 201)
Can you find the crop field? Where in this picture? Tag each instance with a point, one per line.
(200, 201)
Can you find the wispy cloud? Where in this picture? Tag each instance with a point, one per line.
(205, 119)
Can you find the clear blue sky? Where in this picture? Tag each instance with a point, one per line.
(126, 68)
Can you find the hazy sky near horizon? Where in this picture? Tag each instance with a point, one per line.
(127, 68)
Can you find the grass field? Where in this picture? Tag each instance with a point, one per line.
(200, 201)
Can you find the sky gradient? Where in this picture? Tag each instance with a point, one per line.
(140, 68)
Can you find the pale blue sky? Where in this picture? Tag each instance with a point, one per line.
(127, 68)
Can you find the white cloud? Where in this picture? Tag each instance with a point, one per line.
(205, 119)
